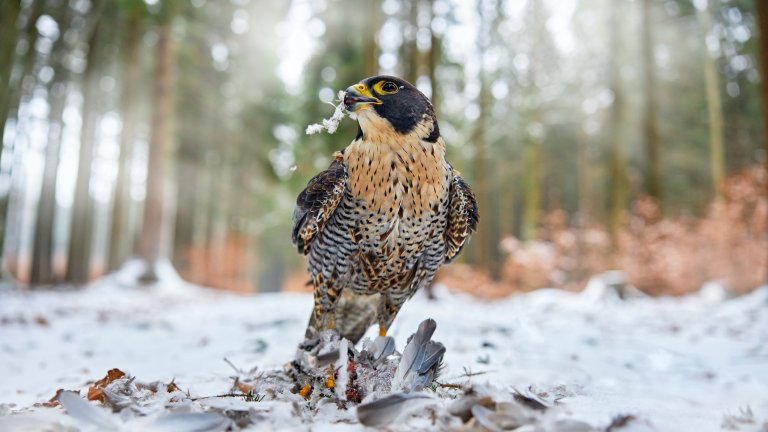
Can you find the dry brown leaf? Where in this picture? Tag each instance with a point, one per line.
(243, 387)
(172, 387)
(112, 375)
(95, 393)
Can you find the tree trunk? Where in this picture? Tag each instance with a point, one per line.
(411, 54)
(762, 25)
(81, 230)
(531, 185)
(535, 139)
(714, 108)
(616, 169)
(11, 90)
(42, 244)
(187, 193)
(9, 15)
(480, 182)
(42, 256)
(121, 240)
(650, 128)
(433, 60)
(372, 51)
(150, 238)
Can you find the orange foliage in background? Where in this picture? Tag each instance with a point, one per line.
(223, 265)
(298, 282)
(729, 245)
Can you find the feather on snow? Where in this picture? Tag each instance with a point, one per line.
(330, 124)
(420, 361)
(388, 409)
(88, 415)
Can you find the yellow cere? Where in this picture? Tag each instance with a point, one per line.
(364, 91)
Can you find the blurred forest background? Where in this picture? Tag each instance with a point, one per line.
(597, 134)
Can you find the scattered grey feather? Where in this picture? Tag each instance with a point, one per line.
(420, 361)
(572, 425)
(327, 358)
(538, 399)
(192, 422)
(433, 355)
(86, 413)
(376, 351)
(505, 416)
(483, 416)
(462, 407)
(387, 409)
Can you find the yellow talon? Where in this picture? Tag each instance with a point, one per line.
(304, 392)
(330, 382)
(382, 331)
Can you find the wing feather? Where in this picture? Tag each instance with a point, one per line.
(316, 204)
(462, 216)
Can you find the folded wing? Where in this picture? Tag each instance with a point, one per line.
(316, 204)
(462, 217)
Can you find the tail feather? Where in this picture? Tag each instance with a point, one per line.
(353, 314)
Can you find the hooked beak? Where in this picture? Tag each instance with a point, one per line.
(359, 97)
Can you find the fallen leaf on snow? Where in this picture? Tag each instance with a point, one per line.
(95, 392)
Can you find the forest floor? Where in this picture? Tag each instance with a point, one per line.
(697, 363)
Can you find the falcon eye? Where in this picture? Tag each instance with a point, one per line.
(389, 87)
(386, 87)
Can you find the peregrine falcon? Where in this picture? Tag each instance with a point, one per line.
(386, 214)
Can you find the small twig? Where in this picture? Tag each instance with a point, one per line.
(468, 372)
(254, 397)
(232, 365)
(450, 386)
(218, 396)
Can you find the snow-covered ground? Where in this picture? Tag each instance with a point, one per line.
(696, 363)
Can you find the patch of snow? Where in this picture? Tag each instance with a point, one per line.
(698, 362)
(128, 275)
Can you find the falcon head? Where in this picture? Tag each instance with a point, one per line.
(385, 104)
